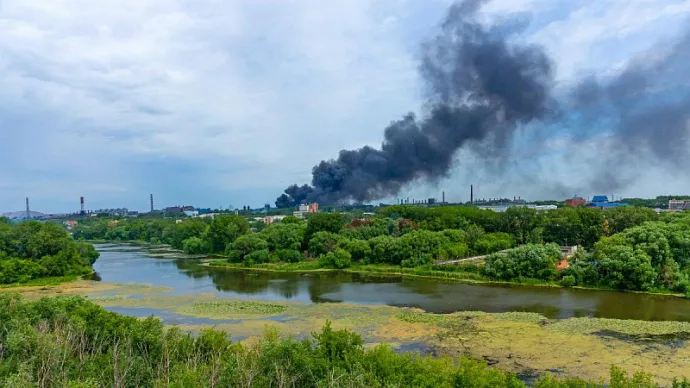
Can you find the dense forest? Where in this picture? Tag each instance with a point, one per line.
(71, 342)
(623, 248)
(33, 250)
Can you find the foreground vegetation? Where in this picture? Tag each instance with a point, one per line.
(41, 253)
(69, 341)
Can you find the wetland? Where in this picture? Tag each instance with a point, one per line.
(528, 330)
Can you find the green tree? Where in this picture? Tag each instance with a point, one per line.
(284, 236)
(224, 230)
(195, 246)
(324, 222)
(528, 261)
(324, 242)
(188, 228)
(243, 246)
(338, 259)
(358, 249)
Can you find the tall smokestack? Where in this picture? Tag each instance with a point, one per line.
(151, 203)
(28, 212)
(81, 201)
(471, 194)
(443, 197)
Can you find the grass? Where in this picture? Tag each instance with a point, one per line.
(593, 325)
(53, 281)
(231, 309)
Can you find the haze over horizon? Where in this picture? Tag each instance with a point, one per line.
(216, 104)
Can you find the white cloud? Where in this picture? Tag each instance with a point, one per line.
(101, 96)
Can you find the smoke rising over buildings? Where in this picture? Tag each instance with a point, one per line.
(484, 87)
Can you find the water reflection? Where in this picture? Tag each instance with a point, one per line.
(186, 276)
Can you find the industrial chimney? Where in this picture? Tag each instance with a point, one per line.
(471, 194)
(28, 212)
(151, 203)
(81, 201)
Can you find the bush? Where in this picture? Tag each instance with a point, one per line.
(493, 242)
(568, 281)
(289, 255)
(323, 242)
(528, 261)
(245, 245)
(258, 256)
(358, 249)
(194, 246)
(339, 259)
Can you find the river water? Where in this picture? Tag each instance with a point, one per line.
(133, 264)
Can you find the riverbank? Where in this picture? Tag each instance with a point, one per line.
(457, 275)
(52, 281)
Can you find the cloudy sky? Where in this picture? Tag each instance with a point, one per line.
(224, 103)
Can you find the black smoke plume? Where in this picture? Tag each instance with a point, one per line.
(483, 89)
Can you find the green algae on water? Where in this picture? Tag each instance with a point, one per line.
(231, 309)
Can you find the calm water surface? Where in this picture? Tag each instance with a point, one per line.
(130, 264)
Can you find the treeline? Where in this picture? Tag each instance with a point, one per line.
(333, 238)
(33, 250)
(564, 226)
(71, 342)
(654, 255)
(660, 202)
(410, 236)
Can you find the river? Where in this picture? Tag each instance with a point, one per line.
(133, 264)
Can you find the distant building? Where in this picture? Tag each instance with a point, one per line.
(69, 224)
(602, 202)
(303, 209)
(271, 219)
(575, 201)
(600, 199)
(313, 208)
(505, 207)
(189, 211)
(678, 204)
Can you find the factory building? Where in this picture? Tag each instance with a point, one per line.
(575, 201)
(304, 208)
(678, 204)
(602, 202)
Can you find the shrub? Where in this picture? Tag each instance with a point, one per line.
(528, 261)
(323, 242)
(289, 255)
(568, 281)
(245, 245)
(358, 249)
(194, 246)
(339, 259)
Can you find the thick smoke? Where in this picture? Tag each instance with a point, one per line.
(484, 88)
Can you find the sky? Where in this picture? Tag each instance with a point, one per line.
(225, 103)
